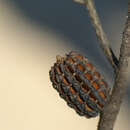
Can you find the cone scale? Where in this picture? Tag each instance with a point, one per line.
(79, 84)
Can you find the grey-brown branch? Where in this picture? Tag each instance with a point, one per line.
(111, 110)
(103, 40)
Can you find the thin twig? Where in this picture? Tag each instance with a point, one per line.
(104, 43)
(111, 110)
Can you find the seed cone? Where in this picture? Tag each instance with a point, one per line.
(79, 84)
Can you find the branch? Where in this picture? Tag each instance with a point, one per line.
(111, 109)
(104, 43)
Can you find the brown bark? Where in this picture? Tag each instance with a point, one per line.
(111, 110)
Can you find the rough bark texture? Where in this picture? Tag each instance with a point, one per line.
(111, 110)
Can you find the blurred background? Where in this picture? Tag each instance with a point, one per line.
(32, 34)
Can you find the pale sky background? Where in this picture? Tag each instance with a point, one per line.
(32, 34)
